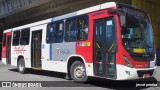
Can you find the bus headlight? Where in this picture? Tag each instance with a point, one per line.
(128, 63)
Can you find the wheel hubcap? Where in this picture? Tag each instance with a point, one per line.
(79, 72)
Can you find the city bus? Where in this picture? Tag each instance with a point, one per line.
(111, 40)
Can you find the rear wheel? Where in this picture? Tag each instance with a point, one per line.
(21, 66)
(78, 72)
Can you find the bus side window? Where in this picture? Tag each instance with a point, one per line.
(59, 32)
(76, 29)
(82, 26)
(4, 39)
(55, 32)
(25, 35)
(50, 33)
(16, 37)
(70, 30)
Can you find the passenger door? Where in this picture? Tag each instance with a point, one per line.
(36, 49)
(8, 49)
(105, 47)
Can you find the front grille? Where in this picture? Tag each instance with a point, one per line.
(142, 72)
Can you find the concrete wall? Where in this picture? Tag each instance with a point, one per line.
(152, 7)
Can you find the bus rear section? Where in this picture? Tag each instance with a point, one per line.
(6, 47)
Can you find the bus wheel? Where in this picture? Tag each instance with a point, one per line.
(78, 72)
(21, 66)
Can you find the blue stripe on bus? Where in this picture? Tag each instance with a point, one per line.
(50, 47)
(50, 51)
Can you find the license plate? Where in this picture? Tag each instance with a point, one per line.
(146, 75)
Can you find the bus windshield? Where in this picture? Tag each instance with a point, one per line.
(137, 36)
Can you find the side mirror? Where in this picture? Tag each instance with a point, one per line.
(123, 20)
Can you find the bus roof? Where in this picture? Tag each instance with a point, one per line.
(79, 12)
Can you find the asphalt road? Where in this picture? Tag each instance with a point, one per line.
(56, 81)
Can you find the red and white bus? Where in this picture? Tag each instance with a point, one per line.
(111, 40)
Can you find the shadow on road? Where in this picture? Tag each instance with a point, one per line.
(42, 73)
(94, 82)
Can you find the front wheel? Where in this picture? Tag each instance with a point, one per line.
(78, 72)
(21, 66)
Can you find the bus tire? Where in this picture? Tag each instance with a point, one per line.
(78, 72)
(21, 66)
